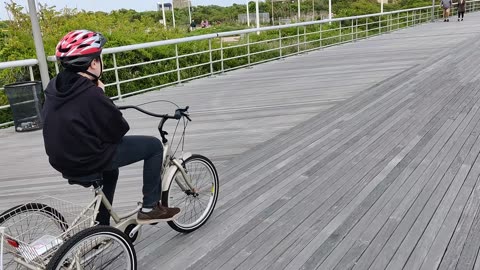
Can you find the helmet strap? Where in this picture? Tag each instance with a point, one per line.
(95, 77)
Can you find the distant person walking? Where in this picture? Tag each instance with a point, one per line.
(446, 5)
(193, 25)
(461, 9)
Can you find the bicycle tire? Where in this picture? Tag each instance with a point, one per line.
(29, 215)
(175, 197)
(85, 243)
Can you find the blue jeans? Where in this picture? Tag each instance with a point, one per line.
(130, 150)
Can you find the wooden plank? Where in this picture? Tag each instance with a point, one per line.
(341, 218)
(435, 257)
(320, 195)
(390, 193)
(399, 195)
(434, 173)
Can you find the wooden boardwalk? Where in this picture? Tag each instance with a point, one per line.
(360, 156)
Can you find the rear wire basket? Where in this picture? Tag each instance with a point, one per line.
(34, 231)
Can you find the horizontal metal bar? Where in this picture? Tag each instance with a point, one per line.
(18, 63)
(6, 124)
(141, 64)
(195, 66)
(193, 54)
(265, 51)
(141, 78)
(144, 90)
(235, 57)
(232, 47)
(238, 67)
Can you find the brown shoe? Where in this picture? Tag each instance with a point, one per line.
(159, 213)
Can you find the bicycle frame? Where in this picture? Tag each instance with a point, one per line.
(169, 167)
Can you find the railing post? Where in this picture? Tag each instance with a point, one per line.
(56, 67)
(117, 80)
(341, 35)
(366, 26)
(304, 38)
(211, 57)
(390, 22)
(179, 78)
(298, 40)
(32, 77)
(221, 54)
(351, 31)
(380, 24)
(248, 49)
(433, 10)
(398, 21)
(321, 38)
(280, 42)
(356, 29)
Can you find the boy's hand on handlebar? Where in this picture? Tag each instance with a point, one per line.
(182, 112)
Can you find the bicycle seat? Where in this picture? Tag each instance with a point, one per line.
(94, 180)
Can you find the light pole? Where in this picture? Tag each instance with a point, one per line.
(163, 15)
(298, 20)
(257, 10)
(37, 37)
(381, 6)
(313, 9)
(189, 13)
(433, 10)
(273, 18)
(173, 14)
(248, 14)
(330, 10)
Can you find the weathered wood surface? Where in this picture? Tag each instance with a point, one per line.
(360, 156)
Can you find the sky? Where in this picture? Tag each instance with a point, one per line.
(109, 5)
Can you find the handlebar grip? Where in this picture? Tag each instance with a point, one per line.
(178, 114)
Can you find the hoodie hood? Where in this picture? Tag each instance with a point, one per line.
(65, 87)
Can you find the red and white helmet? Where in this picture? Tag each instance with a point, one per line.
(78, 48)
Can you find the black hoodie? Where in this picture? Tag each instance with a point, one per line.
(82, 127)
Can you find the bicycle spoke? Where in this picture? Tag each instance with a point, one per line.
(197, 204)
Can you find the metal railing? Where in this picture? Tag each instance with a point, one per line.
(175, 61)
(30, 63)
(207, 55)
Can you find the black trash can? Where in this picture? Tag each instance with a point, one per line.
(26, 100)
